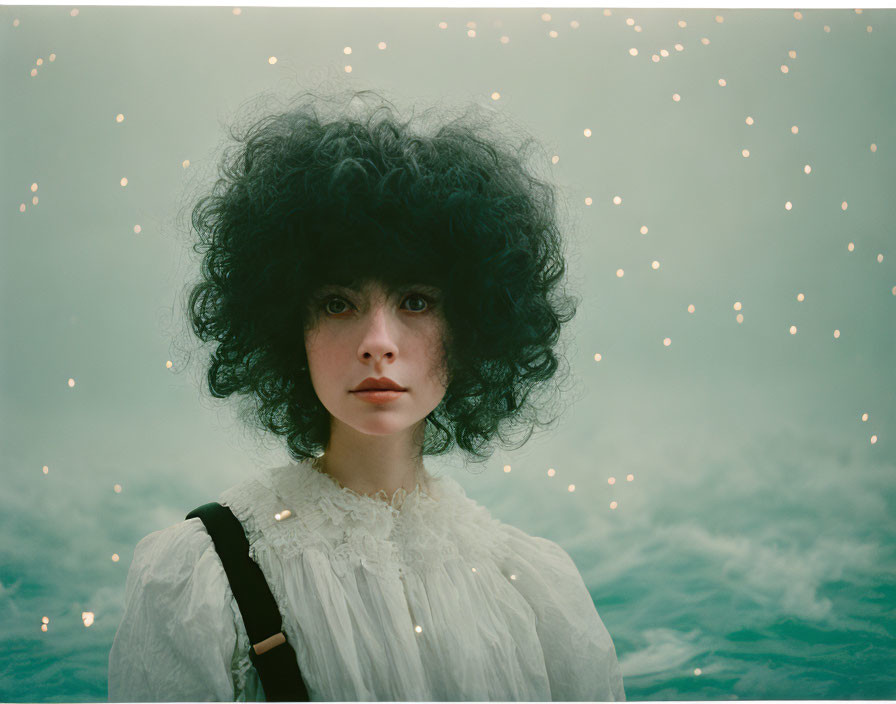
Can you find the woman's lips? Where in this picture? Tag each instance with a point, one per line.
(378, 395)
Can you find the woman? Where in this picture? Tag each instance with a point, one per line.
(345, 254)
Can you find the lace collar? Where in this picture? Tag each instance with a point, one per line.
(295, 507)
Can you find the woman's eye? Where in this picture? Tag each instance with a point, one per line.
(418, 304)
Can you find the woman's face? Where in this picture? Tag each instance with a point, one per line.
(370, 333)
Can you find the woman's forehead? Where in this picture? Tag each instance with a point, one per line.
(371, 285)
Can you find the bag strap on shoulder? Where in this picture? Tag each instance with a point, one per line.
(271, 654)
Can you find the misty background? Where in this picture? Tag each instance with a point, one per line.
(723, 476)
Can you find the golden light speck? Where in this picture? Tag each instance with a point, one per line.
(348, 69)
(115, 557)
(588, 201)
(418, 629)
(472, 569)
(39, 62)
(629, 477)
(574, 24)
(630, 22)
(893, 290)
(555, 159)
(682, 24)
(71, 383)
(119, 117)
(791, 54)
(513, 576)
(807, 169)
(597, 357)
(827, 28)
(237, 11)
(679, 47)
(664, 53)
(874, 147)
(798, 15)
(654, 58)
(858, 11)
(124, 182)
(740, 317)
(44, 628)
(617, 200)
(272, 60)
(611, 480)
(868, 28)
(676, 97)
(34, 200)
(15, 23)
(800, 297)
(737, 305)
(704, 41)
(691, 308)
(282, 515)
(443, 25)
(720, 19)
(45, 620)
(843, 205)
(137, 229)
(864, 417)
(185, 163)
(33, 187)
(553, 34)
(22, 208)
(505, 39)
(46, 470)
(381, 46)
(655, 265)
(697, 671)
(34, 72)
(793, 329)
(745, 153)
(551, 472)
(496, 95)
(74, 12)
(637, 28)
(347, 50)
(667, 341)
(749, 120)
(633, 51)
(613, 504)
(851, 246)
(117, 488)
(571, 488)
(723, 82)
(873, 439)
(795, 129)
(619, 273)
(87, 618)
(169, 364)
(545, 17)
(784, 68)
(880, 258)
(607, 13)
(836, 334)
(788, 206)
(471, 33)
(643, 229)
(587, 132)
(506, 468)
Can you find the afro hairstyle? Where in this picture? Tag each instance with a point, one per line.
(342, 189)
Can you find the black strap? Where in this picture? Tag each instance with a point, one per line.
(278, 668)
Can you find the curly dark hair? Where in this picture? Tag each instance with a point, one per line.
(304, 199)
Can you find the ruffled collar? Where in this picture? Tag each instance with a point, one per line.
(294, 508)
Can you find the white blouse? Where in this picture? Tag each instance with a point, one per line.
(421, 597)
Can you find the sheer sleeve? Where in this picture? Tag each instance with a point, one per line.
(177, 637)
(579, 654)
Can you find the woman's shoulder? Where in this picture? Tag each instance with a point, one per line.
(175, 553)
